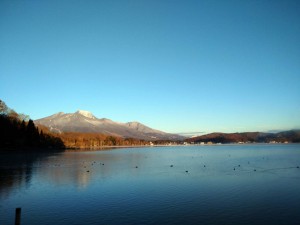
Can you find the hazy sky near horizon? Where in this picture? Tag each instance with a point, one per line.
(177, 66)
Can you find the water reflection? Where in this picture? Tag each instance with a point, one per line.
(224, 185)
(78, 169)
(16, 170)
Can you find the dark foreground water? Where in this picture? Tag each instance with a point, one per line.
(227, 184)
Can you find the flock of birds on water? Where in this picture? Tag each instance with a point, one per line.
(204, 166)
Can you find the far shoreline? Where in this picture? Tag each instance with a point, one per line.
(106, 148)
(102, 148)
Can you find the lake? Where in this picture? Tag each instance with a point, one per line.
(218, 184)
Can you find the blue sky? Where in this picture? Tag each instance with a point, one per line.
(177, 66)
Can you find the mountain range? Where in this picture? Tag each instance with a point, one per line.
(85, 122)
(259, 137)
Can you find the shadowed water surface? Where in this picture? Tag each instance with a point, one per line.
(226, 184)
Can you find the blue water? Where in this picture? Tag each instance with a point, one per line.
(224, 184)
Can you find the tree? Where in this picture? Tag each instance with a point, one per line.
(32, 134)
(24, 117)
(3, 107)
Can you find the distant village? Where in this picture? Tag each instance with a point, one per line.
(167, 143)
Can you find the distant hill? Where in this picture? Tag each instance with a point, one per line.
(292, 136)
(85, 122)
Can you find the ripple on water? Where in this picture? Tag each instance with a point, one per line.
(151, 186)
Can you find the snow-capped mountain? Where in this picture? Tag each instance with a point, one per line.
(86, 122)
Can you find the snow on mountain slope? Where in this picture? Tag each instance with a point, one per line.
(86, 122)
(86, 114)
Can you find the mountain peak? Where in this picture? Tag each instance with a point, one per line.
(141, 127)
(85, 113)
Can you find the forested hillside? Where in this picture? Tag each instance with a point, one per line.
(292, 136)
(17, 131)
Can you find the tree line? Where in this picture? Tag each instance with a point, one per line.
(95, 140)
(18, 131)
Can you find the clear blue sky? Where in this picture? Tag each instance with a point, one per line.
(177, 66)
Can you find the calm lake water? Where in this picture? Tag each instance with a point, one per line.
(226, 184)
